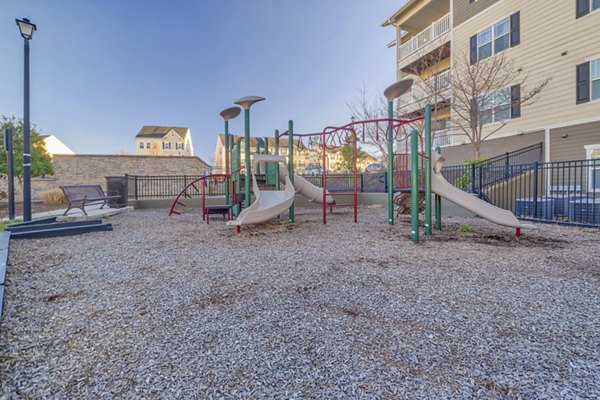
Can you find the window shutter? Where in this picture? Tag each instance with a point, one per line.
(473, 49)
(515, 101)
(583, 83)
(515, 29)
(583, 8)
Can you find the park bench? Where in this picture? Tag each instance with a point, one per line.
(223, 209)
(79, 196)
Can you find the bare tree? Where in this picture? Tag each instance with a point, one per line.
(486, 93)
(366, 107)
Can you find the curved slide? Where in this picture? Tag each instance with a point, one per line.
(270, 203)
(441, 187)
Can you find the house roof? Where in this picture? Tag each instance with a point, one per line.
(392, 19)
(271, 141)
(151, 131)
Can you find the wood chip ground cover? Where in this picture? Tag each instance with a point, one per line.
(168, 307)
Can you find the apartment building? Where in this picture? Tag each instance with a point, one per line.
(556, 40)
(423, 49)
(302, 156)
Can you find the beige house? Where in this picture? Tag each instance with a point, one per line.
(556, 39)
(164, 141)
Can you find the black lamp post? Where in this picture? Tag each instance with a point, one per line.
(27, 29)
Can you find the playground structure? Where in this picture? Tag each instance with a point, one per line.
(411, 155)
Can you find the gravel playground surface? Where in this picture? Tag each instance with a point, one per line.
(168, 307)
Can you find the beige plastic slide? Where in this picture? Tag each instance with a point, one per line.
(271, 203)
(441, 187)
(305, 188)
(268, 203)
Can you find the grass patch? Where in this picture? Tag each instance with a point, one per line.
(466, 229)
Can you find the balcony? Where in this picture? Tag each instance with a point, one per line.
(425, 37)
(442, 138)
(436, 88)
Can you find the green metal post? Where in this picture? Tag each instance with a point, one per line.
(390, 171)
(291, 162)
(438, 203)
(277, 183)
(427, 169)
(227, 180)
(267, 165)
(247, 157)
(414, 185)
(238, 157)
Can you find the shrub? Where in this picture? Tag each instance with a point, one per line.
(53, 196)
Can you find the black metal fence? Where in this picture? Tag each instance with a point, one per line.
(160, 187)
(563, 192)
(497, 169)
(368, 182)
(140, 187)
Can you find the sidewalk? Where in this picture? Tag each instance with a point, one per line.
(75, 214)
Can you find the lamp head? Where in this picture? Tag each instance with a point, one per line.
(247, 101)
(230, 113)
(26, 28)
(398, 89)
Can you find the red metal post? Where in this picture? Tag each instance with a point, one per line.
(518, 232)
(324, 178)
(355, 178)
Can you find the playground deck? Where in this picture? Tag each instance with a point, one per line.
(174, 308)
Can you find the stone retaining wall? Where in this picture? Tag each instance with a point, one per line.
(93, 168)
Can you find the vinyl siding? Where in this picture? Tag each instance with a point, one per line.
(463, 9)
(552, 44)
(571, 147)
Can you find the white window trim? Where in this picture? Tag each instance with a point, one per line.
(596, 165)
(492, 25)
(592, 80)
(493, 121)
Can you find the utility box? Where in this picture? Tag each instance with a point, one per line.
(117, 185)
(539, 208)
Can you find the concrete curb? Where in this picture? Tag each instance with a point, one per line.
(4, 242)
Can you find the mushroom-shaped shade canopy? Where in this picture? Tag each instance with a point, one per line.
(247, 101)
(398, 89)
(230, 113)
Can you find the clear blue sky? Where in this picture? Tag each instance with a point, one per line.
(102, 69)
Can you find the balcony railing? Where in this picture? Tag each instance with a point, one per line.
(442, 138)
(420, 40)
(434, 86)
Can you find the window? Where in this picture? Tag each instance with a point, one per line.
(595, 77)
(584, 7)
(484, 43)
(141, 145)
(496, 38)
(588, 81)
(592, 152)
(147, 145)
(179, 146)
(500, 105)
(166, 145)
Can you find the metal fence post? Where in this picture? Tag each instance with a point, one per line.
(135, 183)
(480, 182)
(473, 178)
(535, 189)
